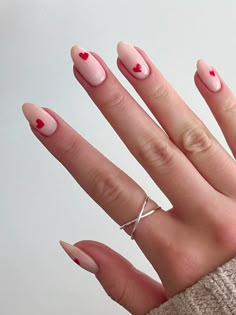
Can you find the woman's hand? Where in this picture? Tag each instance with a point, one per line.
(184, 159)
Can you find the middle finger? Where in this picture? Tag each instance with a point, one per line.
(166, 164)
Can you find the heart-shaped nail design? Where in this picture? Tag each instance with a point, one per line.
(212, 73)
(40, 123)
(209, 76)
(84, 55)
(76, 260)
(137, 68)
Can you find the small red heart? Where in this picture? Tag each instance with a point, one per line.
(76, 260)
(137, 68)
(84, 55)
(40, 123)
(212, 73)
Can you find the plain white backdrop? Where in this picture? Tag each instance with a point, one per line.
(40, 202)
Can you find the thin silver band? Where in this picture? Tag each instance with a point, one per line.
(140, 216)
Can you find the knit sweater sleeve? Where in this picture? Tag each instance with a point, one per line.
(215, 294)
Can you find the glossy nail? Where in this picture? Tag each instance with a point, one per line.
(208, 76)
(39, 119)
(132, 60)
(80, 257)
(88, 66)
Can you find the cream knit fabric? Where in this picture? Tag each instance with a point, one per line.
(215, 294)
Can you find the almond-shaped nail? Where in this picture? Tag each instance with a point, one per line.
(88, 66)
(39, 119)
(132, 60)
(80, 257)
(208, 76)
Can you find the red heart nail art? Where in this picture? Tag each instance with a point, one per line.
(212, 73)
(40, 123)
(76, 260)
(137, 68)
(84, 55)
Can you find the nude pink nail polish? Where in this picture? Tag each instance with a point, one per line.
(132, 60)
(208, 76)
(88, 66)
(39, 119)
(80, 257)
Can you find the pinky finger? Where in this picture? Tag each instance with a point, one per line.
(220, 99)
(132, 289)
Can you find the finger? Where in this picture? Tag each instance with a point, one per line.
(183, 127)
(113, 190)
(166, 164)
(110, 187)
(222, 103)
(132, 289)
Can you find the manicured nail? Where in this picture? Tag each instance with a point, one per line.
(88, 66)
(208, 76)
(132, 60)
(79, 257)
(39, 119)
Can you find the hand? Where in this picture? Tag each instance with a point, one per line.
(184, 159)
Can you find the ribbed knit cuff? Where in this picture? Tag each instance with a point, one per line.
(215, 294)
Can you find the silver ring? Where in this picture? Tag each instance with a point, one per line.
(140, 216)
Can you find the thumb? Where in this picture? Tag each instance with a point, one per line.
(132, 289)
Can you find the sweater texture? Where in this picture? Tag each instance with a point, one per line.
(215, 294)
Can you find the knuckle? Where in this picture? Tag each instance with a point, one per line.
(106, 187)
(196, 140)
(115, 101)
(228, 105)
(157, 153)
(72, 147)
(159, 94)
(117, 291)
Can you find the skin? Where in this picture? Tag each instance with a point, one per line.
(186, 162)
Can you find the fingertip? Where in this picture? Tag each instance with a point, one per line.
(73, 50)
(25, 107)
(120, 45)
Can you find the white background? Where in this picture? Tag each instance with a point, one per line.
(40, 202)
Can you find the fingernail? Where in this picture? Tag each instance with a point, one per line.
(39, 119)
(208, 76)
(132, 60)
(88, 66)
(79, 257)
